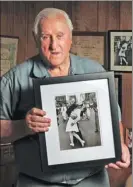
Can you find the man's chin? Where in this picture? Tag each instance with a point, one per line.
(51, 62)
(55, 64)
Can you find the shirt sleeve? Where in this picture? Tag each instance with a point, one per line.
(8, 95)
(5, 99)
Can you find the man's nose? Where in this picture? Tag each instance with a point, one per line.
(53, 43)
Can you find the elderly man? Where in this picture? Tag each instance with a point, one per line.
(53, 35)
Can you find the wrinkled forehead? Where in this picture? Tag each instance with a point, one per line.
(51, 22)
(53, 17)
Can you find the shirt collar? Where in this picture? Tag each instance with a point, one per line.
(39, 69)
(72, 70)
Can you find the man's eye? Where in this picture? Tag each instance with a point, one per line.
(60, 36)
(44, 37)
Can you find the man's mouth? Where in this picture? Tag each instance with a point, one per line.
(55, 53)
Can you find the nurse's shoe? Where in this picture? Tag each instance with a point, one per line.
(82, 143)
(72, 144)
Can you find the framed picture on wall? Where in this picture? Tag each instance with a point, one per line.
(91, 45)
(92, 145)
(8, 48)
(120, 50)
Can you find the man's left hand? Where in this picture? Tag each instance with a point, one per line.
(125, 159)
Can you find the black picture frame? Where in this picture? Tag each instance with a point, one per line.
(91, 45)
(120, 50)
(118, 89)
(53, 157)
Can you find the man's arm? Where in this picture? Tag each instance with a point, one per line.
(35, 121)
(14, 130)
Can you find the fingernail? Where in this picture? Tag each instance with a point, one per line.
(46, 129)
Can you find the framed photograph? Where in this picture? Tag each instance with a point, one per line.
(91, 45)
(8, 48)
(118, 89)
(84, 132)
(120, 50)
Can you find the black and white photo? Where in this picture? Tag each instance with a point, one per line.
(120, 50)
(78, 122)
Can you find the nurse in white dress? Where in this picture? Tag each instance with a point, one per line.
(72, 127)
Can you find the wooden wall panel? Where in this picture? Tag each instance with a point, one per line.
(108, 16)
(127, 100)
(31, 46)
(3, 19)
(40, 5)
(7, 20)
(84, 16)
(14, 23)
(64, 5)
(125, 15)
(20, 26)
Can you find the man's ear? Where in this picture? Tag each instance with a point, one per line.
(35, 39)
(70, 46)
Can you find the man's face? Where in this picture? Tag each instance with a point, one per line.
(123, 38)
(72, 101)
(55, 40)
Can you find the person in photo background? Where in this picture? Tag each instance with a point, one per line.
(63, 111)
(87, 107)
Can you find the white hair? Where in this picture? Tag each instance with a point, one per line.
(48, 12)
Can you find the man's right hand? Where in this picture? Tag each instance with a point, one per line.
(36, 120)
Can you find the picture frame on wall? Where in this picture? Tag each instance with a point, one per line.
(93, 146)
(9, 49)
(120, 50)
(91, 45)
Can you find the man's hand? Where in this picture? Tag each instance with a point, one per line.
(36, 120)
(125, 160)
